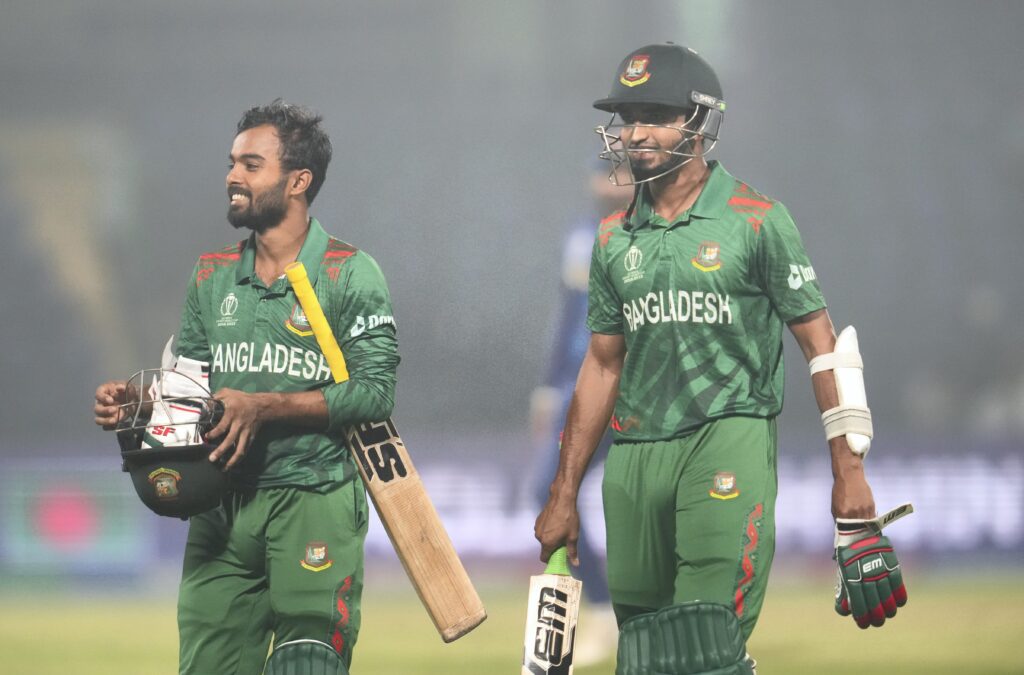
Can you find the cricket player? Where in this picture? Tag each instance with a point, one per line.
(282, 556)
(690, 288)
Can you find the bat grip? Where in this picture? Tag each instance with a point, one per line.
(558, 563)
(299, 280)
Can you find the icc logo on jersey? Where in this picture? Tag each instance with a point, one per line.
(228, 307)
(634, 258)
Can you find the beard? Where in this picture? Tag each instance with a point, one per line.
(645, 173)
(264, 212)
(665, 167)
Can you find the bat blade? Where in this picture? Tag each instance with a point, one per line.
(415, 529)
(552, 612)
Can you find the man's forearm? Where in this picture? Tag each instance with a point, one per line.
(586, 423)
(815, 335)
(301, 408)
(827, 397)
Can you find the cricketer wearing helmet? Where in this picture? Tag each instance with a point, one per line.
(281, 556)
(690, 288)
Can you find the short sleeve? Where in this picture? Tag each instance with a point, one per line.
(784, 269)
(604, 310)
(192, 341)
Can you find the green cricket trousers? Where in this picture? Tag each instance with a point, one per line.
(280, 562)
(693, 518)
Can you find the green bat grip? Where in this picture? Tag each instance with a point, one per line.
(558, 563)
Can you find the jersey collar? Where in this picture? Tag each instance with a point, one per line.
(310, 255)
(709, 204)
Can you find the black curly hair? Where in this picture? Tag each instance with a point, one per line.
(304, 143)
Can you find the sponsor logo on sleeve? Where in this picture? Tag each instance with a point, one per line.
(364, 323)
(798, 274)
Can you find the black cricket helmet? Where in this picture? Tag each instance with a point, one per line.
(161, 431)
(666, 75)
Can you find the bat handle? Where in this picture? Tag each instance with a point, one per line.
(306, 296)
(558, 563)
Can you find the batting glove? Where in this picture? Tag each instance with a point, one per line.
(870, 582)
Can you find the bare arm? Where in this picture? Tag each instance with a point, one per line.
(589, 411)
(244, 414)
(851, 494)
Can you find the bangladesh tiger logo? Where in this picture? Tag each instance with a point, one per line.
(165, 483)
(708, 258)
(723, 486)
(316, 557)
(297, 322)
(636, 72)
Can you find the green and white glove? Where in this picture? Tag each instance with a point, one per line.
(870, 582)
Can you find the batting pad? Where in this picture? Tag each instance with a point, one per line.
(694, 638)
(305, 657)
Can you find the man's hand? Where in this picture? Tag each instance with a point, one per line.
(243, 416)
(870, 584)
(109, 397)
(558, 525)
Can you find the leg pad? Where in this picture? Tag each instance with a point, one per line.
(304, 657)
(695, 638)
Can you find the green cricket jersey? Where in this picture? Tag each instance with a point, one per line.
(701, 302)
(257, 339)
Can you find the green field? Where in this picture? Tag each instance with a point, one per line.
(951, 626)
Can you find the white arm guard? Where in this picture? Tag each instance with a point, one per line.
(851, 417)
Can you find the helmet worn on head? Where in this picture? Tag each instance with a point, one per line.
(665, 75)
(162, 437)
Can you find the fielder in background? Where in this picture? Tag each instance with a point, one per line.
(282, 555)
(549, 404)
(690, 288)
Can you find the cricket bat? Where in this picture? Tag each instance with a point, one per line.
(402, 503)
(552, 611)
